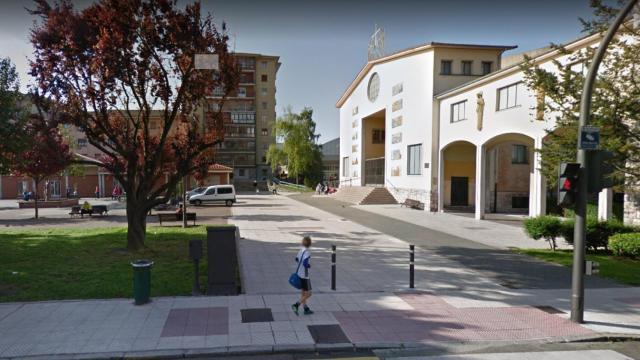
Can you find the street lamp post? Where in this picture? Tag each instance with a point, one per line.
(577, 284)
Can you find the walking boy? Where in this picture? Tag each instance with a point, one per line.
(304, 255)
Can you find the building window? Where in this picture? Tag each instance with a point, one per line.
(508, 96)
(345, 166)
(265, 132)
(263, 64)
(378, 136)
(264, 105)
(445, 67)
(486, 67)
(414, 158)
(264, 78)
(519, 154)
(82, 142)
(265, 146)
(242, 92)
(263, 91)
(459, 111)
(241, 172)
(466, 67)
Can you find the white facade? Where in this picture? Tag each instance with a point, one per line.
(490, 166)
(415, 89)
(407, 83)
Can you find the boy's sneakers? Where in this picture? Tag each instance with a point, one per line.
(295, 308)
(307, 311)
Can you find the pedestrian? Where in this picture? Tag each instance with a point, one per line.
(97, 192)
(255, 185)
(303, 265)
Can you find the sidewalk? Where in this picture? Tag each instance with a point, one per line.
(205, 324)
(497, 234)
(372, 308)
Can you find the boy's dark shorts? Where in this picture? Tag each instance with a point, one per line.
(305, 284)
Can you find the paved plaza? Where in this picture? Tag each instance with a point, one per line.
(11, 217)
(372, 307)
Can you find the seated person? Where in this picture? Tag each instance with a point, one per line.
(86, 208)
(179, 212)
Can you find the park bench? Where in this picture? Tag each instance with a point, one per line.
(414, 204)
(95, 209)
(175, 217)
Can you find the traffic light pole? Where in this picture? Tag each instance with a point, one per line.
(579, 250)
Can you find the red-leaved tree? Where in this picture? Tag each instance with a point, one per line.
(46, 153)
(123, 72)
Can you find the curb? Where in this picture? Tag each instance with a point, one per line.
(302, 348)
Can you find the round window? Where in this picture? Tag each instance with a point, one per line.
(374, 87)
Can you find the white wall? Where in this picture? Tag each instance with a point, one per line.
(415, 74)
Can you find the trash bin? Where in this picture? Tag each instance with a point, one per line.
(141, 280)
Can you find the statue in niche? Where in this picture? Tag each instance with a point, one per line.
(479, 110)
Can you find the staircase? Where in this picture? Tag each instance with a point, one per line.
(364, 195)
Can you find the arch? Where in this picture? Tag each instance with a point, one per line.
(509, 169)
(457, 176)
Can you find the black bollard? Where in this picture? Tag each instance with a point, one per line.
(195, 253)
(333, 267)
(411, 265)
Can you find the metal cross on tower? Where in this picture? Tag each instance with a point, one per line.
(376, 44)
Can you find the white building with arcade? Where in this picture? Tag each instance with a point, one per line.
(453, 126)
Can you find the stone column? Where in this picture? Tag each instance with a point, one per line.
(480, 182)
(441, 181)
(538, 188)
(605, 204)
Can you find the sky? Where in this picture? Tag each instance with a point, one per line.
(323, 44)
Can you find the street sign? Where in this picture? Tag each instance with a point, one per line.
(589, 138)
(206, 62)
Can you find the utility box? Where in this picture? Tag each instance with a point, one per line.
(222, 261)
(591, 267)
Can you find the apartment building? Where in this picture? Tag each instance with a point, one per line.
(249, 115)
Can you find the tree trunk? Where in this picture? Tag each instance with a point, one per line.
(137, 224)
(35, 198)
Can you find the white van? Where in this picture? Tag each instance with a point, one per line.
(222, 193)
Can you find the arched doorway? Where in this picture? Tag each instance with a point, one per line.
(458, 177)
(509, 170)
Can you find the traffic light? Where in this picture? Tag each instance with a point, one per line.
(599, 170)
(568, 184)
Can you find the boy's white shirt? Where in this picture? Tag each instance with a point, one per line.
(302, 271)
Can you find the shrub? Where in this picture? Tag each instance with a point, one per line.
(625, 244)
(547, 227)
(598, 232)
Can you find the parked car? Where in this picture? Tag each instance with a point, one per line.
(216, 193)
(198, 190)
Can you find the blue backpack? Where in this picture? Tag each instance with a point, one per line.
(295, 279)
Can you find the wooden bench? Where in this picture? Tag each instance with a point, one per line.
(175, 217)
(95, 209)
(414, 204)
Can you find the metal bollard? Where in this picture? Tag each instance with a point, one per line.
(412, 251)
(333, 267)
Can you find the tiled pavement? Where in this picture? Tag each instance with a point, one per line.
(371, 305)
(75, 327)
(544, 355)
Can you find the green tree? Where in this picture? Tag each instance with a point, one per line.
(615, 109)
(12, 115)
(300, 151)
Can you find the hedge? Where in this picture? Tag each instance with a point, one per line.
(598, 232)
(625, 244)
(543, 227)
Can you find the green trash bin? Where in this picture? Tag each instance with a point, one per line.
(141, 281)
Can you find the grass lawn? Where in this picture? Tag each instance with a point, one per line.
(623, 270)
(289, 188)
(92, 263)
